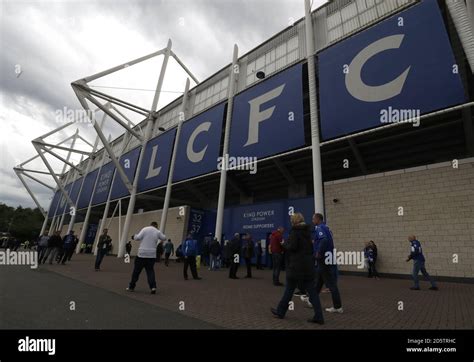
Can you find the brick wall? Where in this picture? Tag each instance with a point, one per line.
(438, 207)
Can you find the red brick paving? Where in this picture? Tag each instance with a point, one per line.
(245, 303)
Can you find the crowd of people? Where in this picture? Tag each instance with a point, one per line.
(303, 255)
(56, 248)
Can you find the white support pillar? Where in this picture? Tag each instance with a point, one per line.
(119, 204)
(73, 210)
(125, 141)
(313, 110)
(225, 151)
(85, 224)
(107, 204)
(61, 219)
(56, 179)
(182, 118)
(148, 132)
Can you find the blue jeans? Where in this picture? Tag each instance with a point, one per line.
(418, 266)
(310, 288)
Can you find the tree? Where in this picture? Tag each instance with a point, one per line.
(22, 223)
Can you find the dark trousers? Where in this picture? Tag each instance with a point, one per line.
(420, 266)
(248, 264)
(167, 258)
(67, 253)
(70, 253)
(311, 291)
(277, 260)
(41, 251)
(148, 264)
(190, 261)
(100, 255)
(259, 262)
(372, 270)
(233, 269)
(325, 275)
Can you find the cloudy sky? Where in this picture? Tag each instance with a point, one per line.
(45, 45)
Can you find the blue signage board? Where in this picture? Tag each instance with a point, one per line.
(63, 204)
(392, 72)
(87, 188)
(76, 187)
(129, 164)
(156, 161)
(199, 144)
(102, 188)
(267, 119)
(54, 204)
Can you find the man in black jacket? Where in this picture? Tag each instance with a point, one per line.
(54, 246)
(300, 269)
(102, 247)
(248, 250)
(234, 255)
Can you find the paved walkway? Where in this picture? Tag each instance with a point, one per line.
(245, 303)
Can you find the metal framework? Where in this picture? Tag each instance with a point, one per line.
(85, 92)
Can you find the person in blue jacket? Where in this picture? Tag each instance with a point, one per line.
(416, 255)
(189, 249)
(326, 271)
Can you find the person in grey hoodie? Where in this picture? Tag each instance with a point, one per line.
(42, 245)
(146, 256)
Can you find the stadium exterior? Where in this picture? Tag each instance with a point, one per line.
(378, 118)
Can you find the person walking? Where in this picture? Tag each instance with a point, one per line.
(128, 248)
(159, 251)
(276, 239)
(248, 251)
(42, 245)
(102, 246)
(418, 258)
(258, 254)
(300, 269)
(234, 255)
(325, 271)
(190, 251)
(169, 250)
(215, 252)
(54, 246)
(69, 243)
(148, 237)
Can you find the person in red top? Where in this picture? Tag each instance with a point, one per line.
(276, 239)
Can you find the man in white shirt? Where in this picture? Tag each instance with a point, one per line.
(148, 237)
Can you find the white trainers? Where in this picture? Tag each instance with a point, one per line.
(334, 310)
(305, 299)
